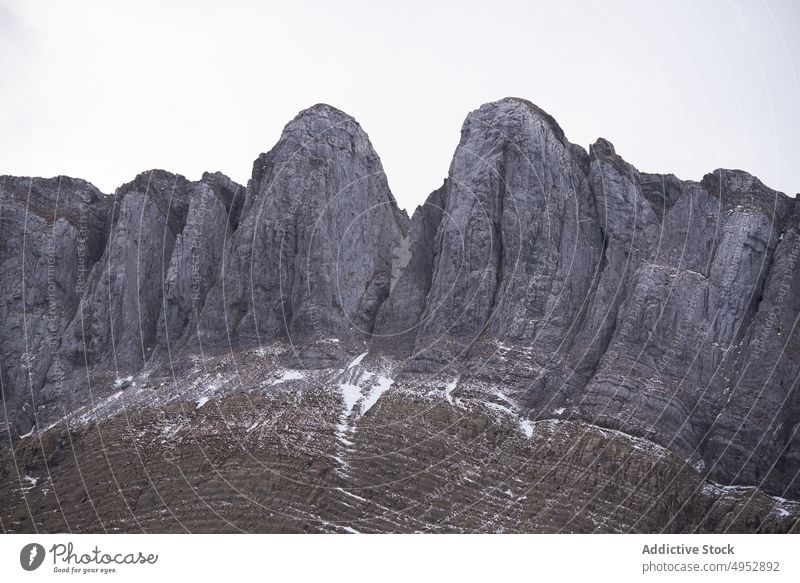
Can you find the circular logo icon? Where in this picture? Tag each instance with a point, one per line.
(31, 556)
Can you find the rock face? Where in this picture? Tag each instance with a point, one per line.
(162, 255)
(95, 283)
(635, 301)
(312, 258)
(304, 253)
(542, 291)
(52, 233)
(517, 242)
(213, 214)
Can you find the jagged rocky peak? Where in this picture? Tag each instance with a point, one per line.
(602, 148)
(164, 247)
(737, 188)
(49, 195)
(509, 212)
(312, 259)
(173, 194)
(510, 114)
(312, 127)
(228, 192)
(320, 119)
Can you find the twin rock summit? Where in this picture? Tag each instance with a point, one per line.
(636, 332)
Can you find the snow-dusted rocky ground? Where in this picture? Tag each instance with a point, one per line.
(241, 442)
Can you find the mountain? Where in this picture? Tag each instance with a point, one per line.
(554, 341)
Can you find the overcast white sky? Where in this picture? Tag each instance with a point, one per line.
(103, 90)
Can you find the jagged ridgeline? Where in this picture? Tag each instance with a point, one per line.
(626, 341)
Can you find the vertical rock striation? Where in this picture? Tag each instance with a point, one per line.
(640, 302)
(312, 258)
(52, 232)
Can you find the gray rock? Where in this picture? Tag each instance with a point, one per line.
(401, 314)
(583, 288)
(513, 259)
(312, 258)
(214, 206)
(52, 232)
(162, 255)
(635, 301)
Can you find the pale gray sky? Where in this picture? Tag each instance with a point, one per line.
(103, 90)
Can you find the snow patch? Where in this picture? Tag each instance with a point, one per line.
(350, 394)
(29, 432)
(718, 489)
(527, 427)
(101, 407)
(558, 411)
(343, 491)
(356, 361)
(121, 381)
(382, 385)
(201, 401)
(699, 465)
(448, 390)
(288, 375)
(365, 376)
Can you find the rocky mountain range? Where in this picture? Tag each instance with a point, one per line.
(553, 342)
